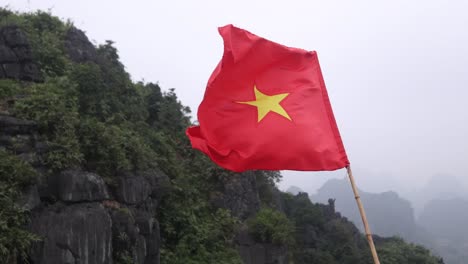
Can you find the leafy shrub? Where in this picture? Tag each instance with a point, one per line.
(110, 148)
(395, 250)
(14, 175)
(45, 35)
(8, 88)
(53, 105)
(271, 226)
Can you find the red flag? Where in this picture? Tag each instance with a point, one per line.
(266, 107)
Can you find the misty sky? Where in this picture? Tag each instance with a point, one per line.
(396, 72)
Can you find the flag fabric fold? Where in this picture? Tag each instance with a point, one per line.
(266, 107)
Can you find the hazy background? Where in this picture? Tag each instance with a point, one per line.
(396, 71)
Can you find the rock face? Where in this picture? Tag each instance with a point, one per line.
(76, 186)
(240, 194)
(78, 233)
(80, 218)
(16, 59)
(90, 224)
(78, 47)
(13, 126)
(252, 252)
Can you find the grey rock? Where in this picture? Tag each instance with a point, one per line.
(136, 188)
(41, 147)
(263, 254)
(47, 185)
(153, 243)
(29, 157)
(14, 36)
(12, 70)
(78, 186)
(7, 55)
(75, 234)
(23, 53)
(132, 189)
(277, 200)
(140, 250)
(158, 181)
(148, 206)
(240, 195)
(16, 56)
(144, 222)
(138, 233)
(259, 253)
(6, 141)
(14, 126)
(125, 234)
(30, 72)
(19, 143)
(29, 198)
(78, 46)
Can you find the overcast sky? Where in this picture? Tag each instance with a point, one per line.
(396, 72)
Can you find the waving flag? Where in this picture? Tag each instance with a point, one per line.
(266, 107)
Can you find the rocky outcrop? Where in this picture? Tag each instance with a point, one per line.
(79, 217)
(135, 228)
(136, 188)
(78, 46)
(16, 59)
(252, 252)
(21, 137)
(73, 234)
(90, 224)
(13, 126)
(238, 194)
(77, 186)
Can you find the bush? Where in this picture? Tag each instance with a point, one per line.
(53, 105)
(8, 88)
(271, 226)
(110, 148)
(396, 251)
(45, 35)
(14, 175)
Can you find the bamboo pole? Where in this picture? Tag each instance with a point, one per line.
(363, 216)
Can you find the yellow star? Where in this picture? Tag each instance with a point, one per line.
(268, 103)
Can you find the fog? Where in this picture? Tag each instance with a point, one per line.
(396, 72)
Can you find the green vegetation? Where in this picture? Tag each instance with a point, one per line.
(321, 236)
(53, 105)
(271, 226)
(8, 88)
(92, 115)
(14, 175)
(395, 251)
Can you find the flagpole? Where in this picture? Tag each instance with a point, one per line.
(363, 216)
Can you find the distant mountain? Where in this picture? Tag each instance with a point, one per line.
(294, 190)
(446, 220)
(440, 186)
(441, 225)
(387, 212)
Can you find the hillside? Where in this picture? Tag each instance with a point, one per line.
(96, 168)
(389, 215)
